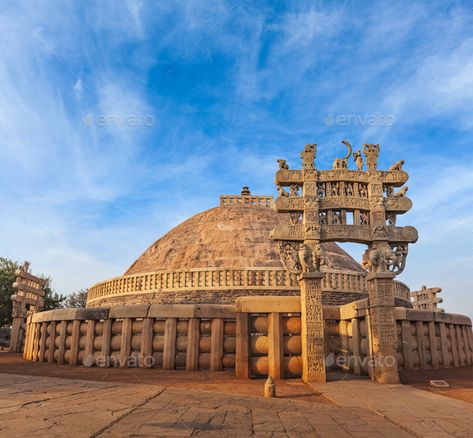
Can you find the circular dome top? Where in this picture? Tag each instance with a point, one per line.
(229, 236)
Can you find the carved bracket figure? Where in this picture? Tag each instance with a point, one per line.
(288, 252)
(311, 257)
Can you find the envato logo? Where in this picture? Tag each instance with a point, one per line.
(363, 362)
(382, 120)
(117, 361)
(120, 121)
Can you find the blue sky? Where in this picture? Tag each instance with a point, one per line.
(118, 120)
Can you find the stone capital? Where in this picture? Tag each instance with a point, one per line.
(380, 275)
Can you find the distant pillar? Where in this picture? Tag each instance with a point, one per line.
(312, 321)
(16, 334)
(382, 328)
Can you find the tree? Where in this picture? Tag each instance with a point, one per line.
(52, 300)
(76, 299)
(7, 277)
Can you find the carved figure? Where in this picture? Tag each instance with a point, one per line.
(364, 218)
(389, 191)
(378, 259)
(358, 159)
(366, 260)
(363, 190)
(308, 157)
(402, 192)
(318, 257)
(342, 163)
(323, 218)
(396, 167)
(371, 152)
(282, 192)
(349, 189)
(391, 219)
(295, 218)
(334, 189)
(294, 188)
(289, 255)
(398, 260)
(336, 218)
(381, 232)
(305, 258)
(321, 190)
(283, 165)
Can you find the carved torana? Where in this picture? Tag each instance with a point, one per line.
(27, 300)
(344, 205)
(426, 299)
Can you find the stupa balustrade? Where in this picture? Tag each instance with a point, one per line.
(249, 200)
(227, 279)
(256, 336)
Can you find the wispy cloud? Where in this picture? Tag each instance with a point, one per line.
(226, 89)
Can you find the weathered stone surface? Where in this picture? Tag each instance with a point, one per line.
(268, 304)
(231, 236)
(139, 311)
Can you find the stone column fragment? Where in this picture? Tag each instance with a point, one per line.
(382, 333)
(313, 351)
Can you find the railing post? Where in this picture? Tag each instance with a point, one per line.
(242, 359)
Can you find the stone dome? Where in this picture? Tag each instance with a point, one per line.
(224, 253)
(229, 236)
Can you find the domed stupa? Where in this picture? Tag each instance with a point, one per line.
(223, 253)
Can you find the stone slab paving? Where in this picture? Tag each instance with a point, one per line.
(53, 407)
(419, 412)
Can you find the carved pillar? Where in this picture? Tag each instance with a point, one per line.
(313, 352)
(16, 334)
(382, 335)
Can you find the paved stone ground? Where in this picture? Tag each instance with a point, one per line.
(420, 412)
(37, 400)
(52, 407)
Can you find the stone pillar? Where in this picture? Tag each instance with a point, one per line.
(243, 354)
(313, 351)
(16, 334)
(382, 334)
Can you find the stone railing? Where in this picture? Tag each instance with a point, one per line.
(426, 339)
(162, 336)
(270, 338)
(256, 336)
(259, 201)
(265, 279)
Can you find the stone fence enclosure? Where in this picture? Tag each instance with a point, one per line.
(258, 336)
